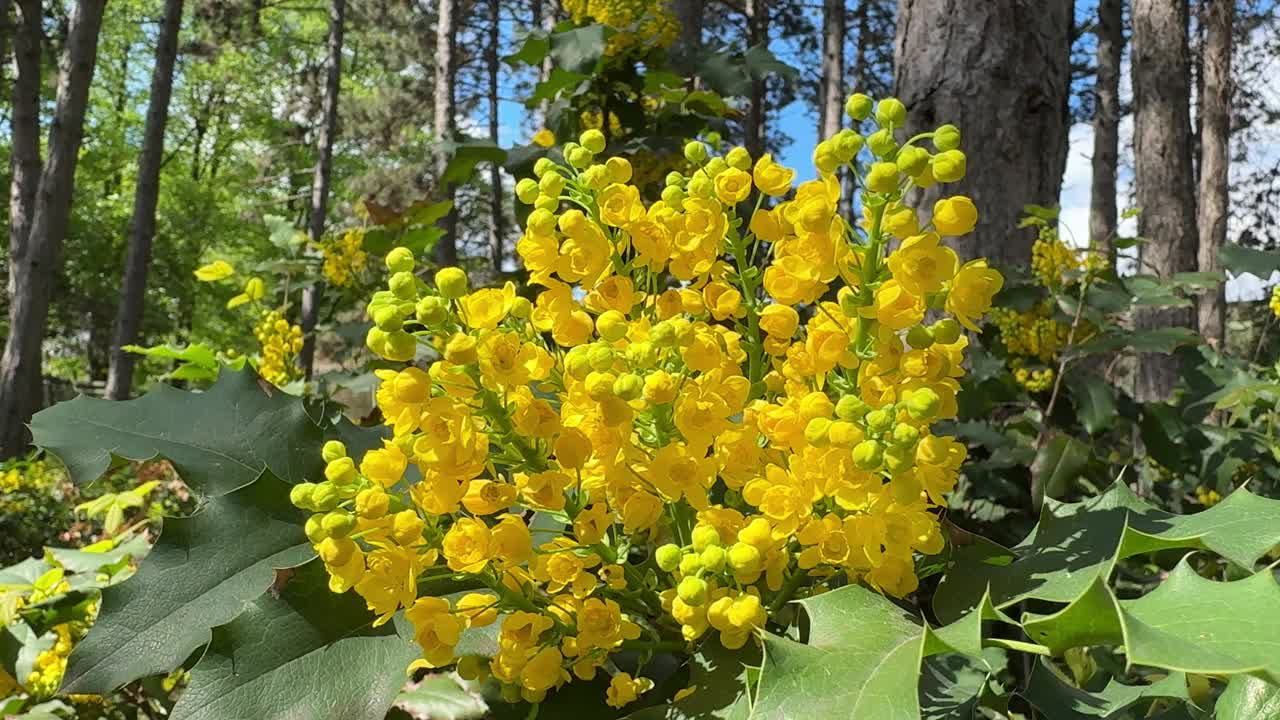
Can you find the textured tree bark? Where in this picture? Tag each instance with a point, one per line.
(757, 12)
(1106, 128)
(6, 31)
(689, 44)
(34, 268)
(145, 198)
(1215, 161)
(1162, 169)
(1000, 71)
(497, 229)
(24, 161)
(446, 73)
(321, 175)
(832, 89)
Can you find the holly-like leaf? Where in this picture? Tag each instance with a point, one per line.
(201, 573)
(863, 656)
(466, 155)
(304, 653)
(719, 679)
(218, 440)
(437, 697)
(1076, 543)
(1156, 340)
(580, 49)
(1058, 700)
(1248, 698)
(1059, 462)
(1240, 259)
(1095, 401)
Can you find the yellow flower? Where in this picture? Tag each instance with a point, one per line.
(467, 546)
(544, 138)
(971, 292)
(896, 308)
(779, 320)
(955, 215)
(732, 186)
(771, 178)
(620, 205)
(486, 497)
(435, 628)
(215, 271)
(624, 690)
(921, 265)
(484, 309)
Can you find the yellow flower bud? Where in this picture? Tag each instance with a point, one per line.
(340, 471)
(881, 143)
(400, 259)
(461, 349)
(868, 455)
(693, 591)
(713, 558)
(451, 282)
(948, 166)
(883, 177)
(858, 107)
(659, 387)
(738, 158)
(300, 495)
(704, 536)
(695, 152)
(946, 137)
(891, 112)
(593, 140)
(527, 190)
(333, 450)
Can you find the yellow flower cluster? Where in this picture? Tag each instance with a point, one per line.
(1207, 497)
(280, 342)
(1035, 335)
(716, 403)
(49, 666)
(344, 257)
(1274, 303)
(36, 475)
(639, 23)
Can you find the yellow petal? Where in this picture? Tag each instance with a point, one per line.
(215, 271)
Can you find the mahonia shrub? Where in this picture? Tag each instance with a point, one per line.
(720, 401)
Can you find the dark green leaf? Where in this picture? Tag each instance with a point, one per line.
(1240, 259)
(200, 573)
(1059, 462)
(579, 50)
(439, 697)
(1248, 698)
(1095, 401)
(303, 653)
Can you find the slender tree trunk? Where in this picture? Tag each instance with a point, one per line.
(857, 83)
(445, 81)
(1000, 71)
(1215, 161)
(832, 88)
(6, 31)
(757, 12)
(1162, 169)
(320, 177)
(34, 269)
(24, 162)
(1106, 128)
(497, 225)
(145, 198)
(689, 44)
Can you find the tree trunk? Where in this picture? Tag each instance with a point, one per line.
(6, 30)
(757, 12)
(1106, 128)
(33, 270)
(857, 83)
(832, 89)
(497, 226)
(446, 73)
(1000, 71)
(24, 161)
(1162, 170)
(320, 178)
(1215, 161)
(145, 198)
(689, 44)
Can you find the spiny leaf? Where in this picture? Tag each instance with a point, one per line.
(1240, 259)
(1058, 700)
(1095, 401)
(1248, 698)
(864, 656)
(437, 697)
(1075, 543)
(200, 573)
(306, 653)
(217, 440)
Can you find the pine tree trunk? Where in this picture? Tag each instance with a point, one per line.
(1106, 127)
(34, 268)
(497, 226)
(757, 12)
(857, 83)
(832, 89)
(1215, 161)
(6, 31)
(146, 197)
(1162, 170)
(689, 44)
(320, 177)
(1000, 71)
(446, 72)
(24, 161)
